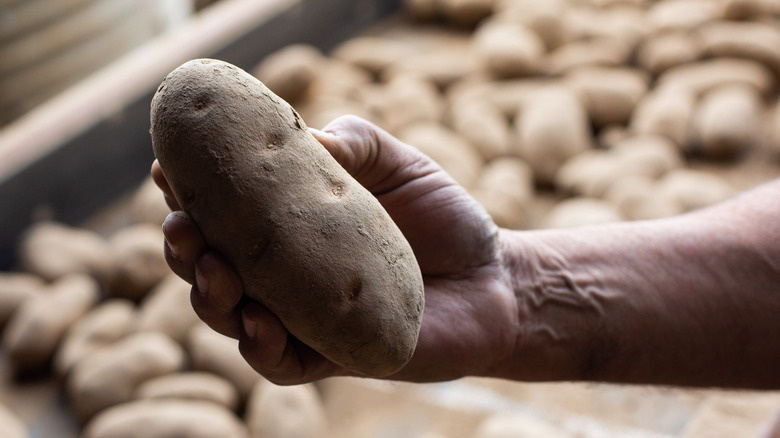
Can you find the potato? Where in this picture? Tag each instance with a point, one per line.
(552, 128)
(16, 288)
(167, 309)
(190, 386)
(214, 353)
(285, 412)
(165, 419)
(372, 53)
(466, 12)
(749, 9)
(649, 155)
(53, 250)
(508, 49)
(575, 212)
(505, 188)
(589, 173)
(290, 71)
(482, 124)
(405, 100)
(701, 77)
(752, 40)
(35, 330)
(727, 121)
(665, 111)
(148, 204)
(307, 240)
(695, 189)
(10, 425)
(442, 67)
(104, 325)
(545, 18)
(111, 375)
(507, 425)
(609, 94)
(627, 23)
(137, 262)
(682, 14)
(454, 154)
(637, 197)
(660, 52)
(338, 79)
(594, 51)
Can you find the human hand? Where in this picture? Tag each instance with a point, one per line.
(469, 324)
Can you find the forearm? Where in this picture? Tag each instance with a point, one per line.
(690, 300)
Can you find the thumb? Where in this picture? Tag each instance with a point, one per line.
(376, 159)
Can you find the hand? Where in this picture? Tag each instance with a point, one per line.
(470, 321)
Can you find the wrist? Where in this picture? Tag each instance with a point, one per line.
(559, 310)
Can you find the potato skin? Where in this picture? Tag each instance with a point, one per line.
(307, 240)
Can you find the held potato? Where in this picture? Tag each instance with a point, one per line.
(307, 240)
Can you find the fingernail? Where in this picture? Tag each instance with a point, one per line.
(201, 281)
(174, 250)
(250, 327)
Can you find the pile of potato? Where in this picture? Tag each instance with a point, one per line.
(603, 104)
(552, 113)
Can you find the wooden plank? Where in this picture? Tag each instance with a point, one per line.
(90, 144)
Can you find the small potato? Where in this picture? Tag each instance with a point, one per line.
(167, 309)
(137, 261)
(407, 99)
(589, 173)
(750, 9)
(53, 250)
(36, 329)
(268, 197)
(104, 325)
(483, 125)
(751, 40)
(627, 23)
(506, 425)
(576, 212)
(213, 353)
(508, 50)
(596, 51)
(338, 79)
(637, 198)
(552, 128)
(505, 188)
(661, 52)
(148, 204)
(111, 375)
(466, 12)
(166, 419)
(285, 412)
(453, 153)
(290, 71)
(545, 18)
(726, 123)
(374, 54)
(682, 14)
(442, 67)
(190, 386)
(648, 155)
(16, 288)
(10, 425)
(694, 189)
(665, 111)
(609, 94)
(703, 76)
(324, 109)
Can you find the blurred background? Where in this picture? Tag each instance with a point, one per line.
(555, 113)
